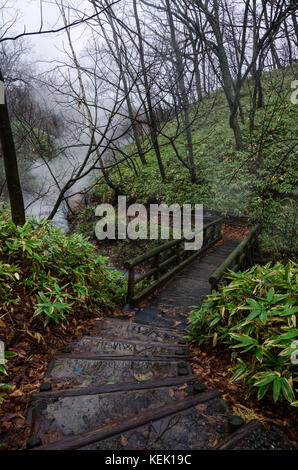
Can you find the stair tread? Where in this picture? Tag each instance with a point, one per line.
(133, 330)
(190, 423)
(101, 345)
(65, 416)
(86, 371)
(112, 388)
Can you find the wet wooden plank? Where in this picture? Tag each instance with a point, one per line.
(66, 372)
(121, 387)
(110, 357)
(112, 347)
(185, 290)
(89, 437)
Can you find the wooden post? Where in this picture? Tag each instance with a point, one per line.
(131, 281)
(178, 253)
(157, 272)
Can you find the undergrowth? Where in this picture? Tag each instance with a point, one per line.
(255, 317)
(57, 274)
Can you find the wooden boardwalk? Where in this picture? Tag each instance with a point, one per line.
(129, 385)
(191, 285)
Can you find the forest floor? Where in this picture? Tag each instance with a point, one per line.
(27, 369)
(35, 346)
(211, 366)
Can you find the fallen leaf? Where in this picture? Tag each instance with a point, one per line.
(143, 377)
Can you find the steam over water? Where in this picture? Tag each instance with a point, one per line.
(42, 182)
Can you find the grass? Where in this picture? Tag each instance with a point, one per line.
(258, 181)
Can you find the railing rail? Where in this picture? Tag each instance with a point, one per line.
(171, 252)
(241, 257)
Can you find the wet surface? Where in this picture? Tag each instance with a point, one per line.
(199, 427)
(73, 415)
(135, 370)
(162, 319)
(265, 439)
(119, 347)
(192, 284)
(112, 328)
(86, 372)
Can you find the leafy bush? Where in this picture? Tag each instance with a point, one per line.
(84, 222)
(255, 315)
(4, 386)
(56, 273)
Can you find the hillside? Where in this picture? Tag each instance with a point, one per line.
(258, 181)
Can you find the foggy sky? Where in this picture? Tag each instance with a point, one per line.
(45, 47)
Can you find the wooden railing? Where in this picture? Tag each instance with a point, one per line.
(240, 258)
(169, 254)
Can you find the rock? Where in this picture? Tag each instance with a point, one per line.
(33, 441)
(199, 388)
(45, 387)
(235, 422)
(182, 341)
(129, 308)
(183, 371)
(181, 365)
(179, 352)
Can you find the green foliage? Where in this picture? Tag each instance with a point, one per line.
(38, 142)
(258, 181)
(255, 316)
(3, 367)
(84, 222)
(61, 273)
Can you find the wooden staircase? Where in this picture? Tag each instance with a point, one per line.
(129, 385)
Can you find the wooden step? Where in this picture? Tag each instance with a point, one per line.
(67, 415)
(84, 370)
(191, 423)
(118, 347)
(119, 387)
(112, 328)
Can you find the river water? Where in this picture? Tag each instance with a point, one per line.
(42, 182)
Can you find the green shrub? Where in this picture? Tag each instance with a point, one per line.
(259, 181)
(60, 273)
(255, 316)
(4, 386)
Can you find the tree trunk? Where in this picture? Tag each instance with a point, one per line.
(117, 55)
(295, 23)
(275, 59)
(183, 93)
(231, 98)
(11, 165)
(196, 68)
(289, 43)
(152, 119)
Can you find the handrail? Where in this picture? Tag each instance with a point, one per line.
(239, 256)
(165, 246)
(212, 235)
